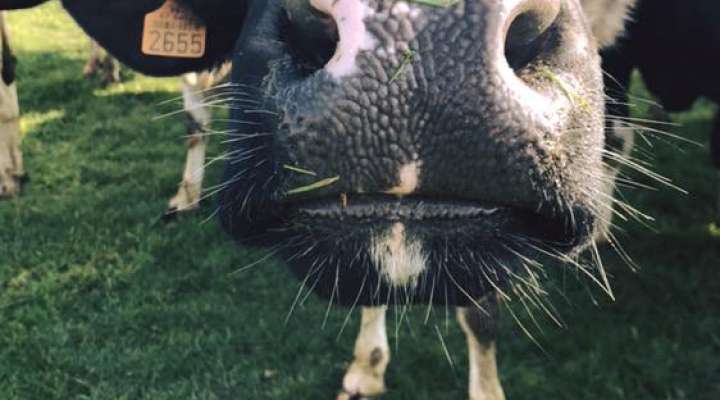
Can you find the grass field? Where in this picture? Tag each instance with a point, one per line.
(98, 300)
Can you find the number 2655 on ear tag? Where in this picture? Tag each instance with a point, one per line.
(173, 31)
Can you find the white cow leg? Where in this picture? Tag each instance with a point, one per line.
(480, 327)
(101, 62)
(366, 376)
(198, 120)
(196, 89)
(113, 74)
(93, 63)
(109, 69)
(12, 172)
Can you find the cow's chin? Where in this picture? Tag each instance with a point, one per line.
(371, 250)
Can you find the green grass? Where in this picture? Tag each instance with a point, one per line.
(99, 301)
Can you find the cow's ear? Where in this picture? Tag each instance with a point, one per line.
(163, 37)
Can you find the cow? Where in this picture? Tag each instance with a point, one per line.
(102, 64)
(197, 88)
(396, 152)
(12, 172)
(672, 43)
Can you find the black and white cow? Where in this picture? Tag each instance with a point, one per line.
(102, 64)
(403, 151)
(12, 173)
(676, 46)
(197, 90)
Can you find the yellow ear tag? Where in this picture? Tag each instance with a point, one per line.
(173, 31)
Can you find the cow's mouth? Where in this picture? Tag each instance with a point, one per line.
(366, 208)
(446, 217)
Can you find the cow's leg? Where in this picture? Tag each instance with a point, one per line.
(715, 151)
(111, 69)
(366, 376)
(195, 88)
(94, 62)
(103, 63)
(12, 172)
(480, 327)
(198, 120)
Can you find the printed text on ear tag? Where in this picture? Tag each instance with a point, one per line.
(173, 31)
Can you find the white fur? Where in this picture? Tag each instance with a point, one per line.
(607, 18)
(484, 383)
(11, 162)
(195, 88)
(408, 180)
(366, 375)
(349, 15)
(400, 260)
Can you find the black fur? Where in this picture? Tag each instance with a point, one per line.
(674, 44)
(9, 61)
(19, 4)
(117, 25)
(484, 320)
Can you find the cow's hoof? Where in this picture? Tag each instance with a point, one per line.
(358, 386)
(170, 214)
(186, 200)
(173, 212)
(89, 70)
(12, 186)
(110, 79)
(355, 396)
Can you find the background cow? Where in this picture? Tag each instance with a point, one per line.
(199, 99)
(197, 89)
(674, 44)
(198, 95)
(103, 64)
(12, 172)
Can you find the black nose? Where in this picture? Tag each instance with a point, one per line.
(494, 102)
(527, 31)
(310, 34)
(472, 101)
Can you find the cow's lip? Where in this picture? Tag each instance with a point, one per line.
(442, 214)
(393, 208)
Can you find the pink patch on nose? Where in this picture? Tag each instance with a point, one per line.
(349, 16)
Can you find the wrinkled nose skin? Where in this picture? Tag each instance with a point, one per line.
(393, 151)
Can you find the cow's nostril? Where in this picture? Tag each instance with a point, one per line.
(311, 36)
(530, 32)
